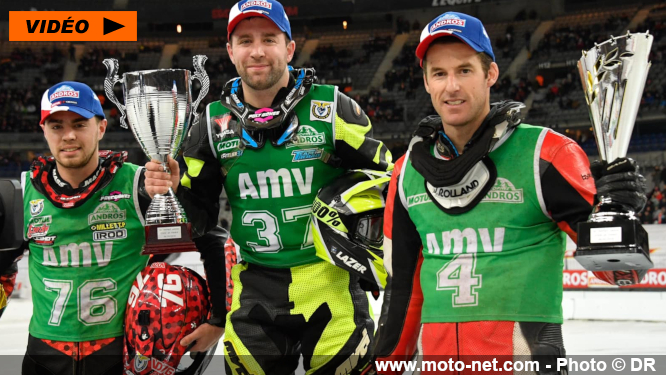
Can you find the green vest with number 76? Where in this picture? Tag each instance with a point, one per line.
(83, 260)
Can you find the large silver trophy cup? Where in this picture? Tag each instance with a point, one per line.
(613, 74)
(159, 108)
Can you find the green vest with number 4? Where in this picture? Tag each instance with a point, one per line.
(271, 190)
(84, 260)
(503, 259)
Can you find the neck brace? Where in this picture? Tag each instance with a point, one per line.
(455, 182)
(47, 181)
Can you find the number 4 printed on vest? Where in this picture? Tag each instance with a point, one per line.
(460, 275)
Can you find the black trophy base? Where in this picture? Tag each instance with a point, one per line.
(613, 246)
(168, 238)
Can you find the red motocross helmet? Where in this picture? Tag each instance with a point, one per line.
(166, 303)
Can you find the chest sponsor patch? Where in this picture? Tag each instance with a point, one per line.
(38, 227)
(107, 226)
(227, 145)
(321, 111)
(109, 235)
(229, 155)
(417, 199)
(45, 241)
(307, 136)
(107, 212)
(504, 192)
(308, 154)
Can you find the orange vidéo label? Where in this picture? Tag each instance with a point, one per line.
(72, 26)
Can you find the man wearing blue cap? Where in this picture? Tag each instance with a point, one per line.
(272, 141)
(476, 216)
(83, 226)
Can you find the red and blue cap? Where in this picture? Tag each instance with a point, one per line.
(269, 9)
(71, 96)
(463, 26)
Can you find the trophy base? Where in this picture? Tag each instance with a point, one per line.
(168, 238)
(613, 246)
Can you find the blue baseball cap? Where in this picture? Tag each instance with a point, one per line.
(463, 26)
(71, 96)
(269, 9)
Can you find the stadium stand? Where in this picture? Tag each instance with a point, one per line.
(536, 54)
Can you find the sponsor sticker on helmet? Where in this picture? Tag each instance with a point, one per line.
(160, 367)
(328, 215)
(141, 362)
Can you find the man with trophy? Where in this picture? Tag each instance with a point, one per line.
(478, 209)
(272, 141)
(84, 216)
(83, 225)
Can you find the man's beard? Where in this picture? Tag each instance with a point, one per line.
(259, 83)
(75, 163)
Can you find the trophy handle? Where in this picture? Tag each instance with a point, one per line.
(200, 74)
(109, 82)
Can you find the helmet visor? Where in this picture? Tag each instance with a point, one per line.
(369, 230)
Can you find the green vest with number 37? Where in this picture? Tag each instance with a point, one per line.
(271, 190)
(84, 260)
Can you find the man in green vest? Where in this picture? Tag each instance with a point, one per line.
(272, 141)
(83, 226)
(476, 217)
(84, 229)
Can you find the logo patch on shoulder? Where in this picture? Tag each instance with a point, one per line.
(36, 207)
(321, 111)
(504, 192)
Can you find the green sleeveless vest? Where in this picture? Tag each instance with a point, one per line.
(271, 189)
(503, 259)
(84, 260)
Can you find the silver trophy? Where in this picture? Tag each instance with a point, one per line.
(613, 74)
(159, 108)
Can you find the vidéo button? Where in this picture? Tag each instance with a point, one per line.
(72, 26)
